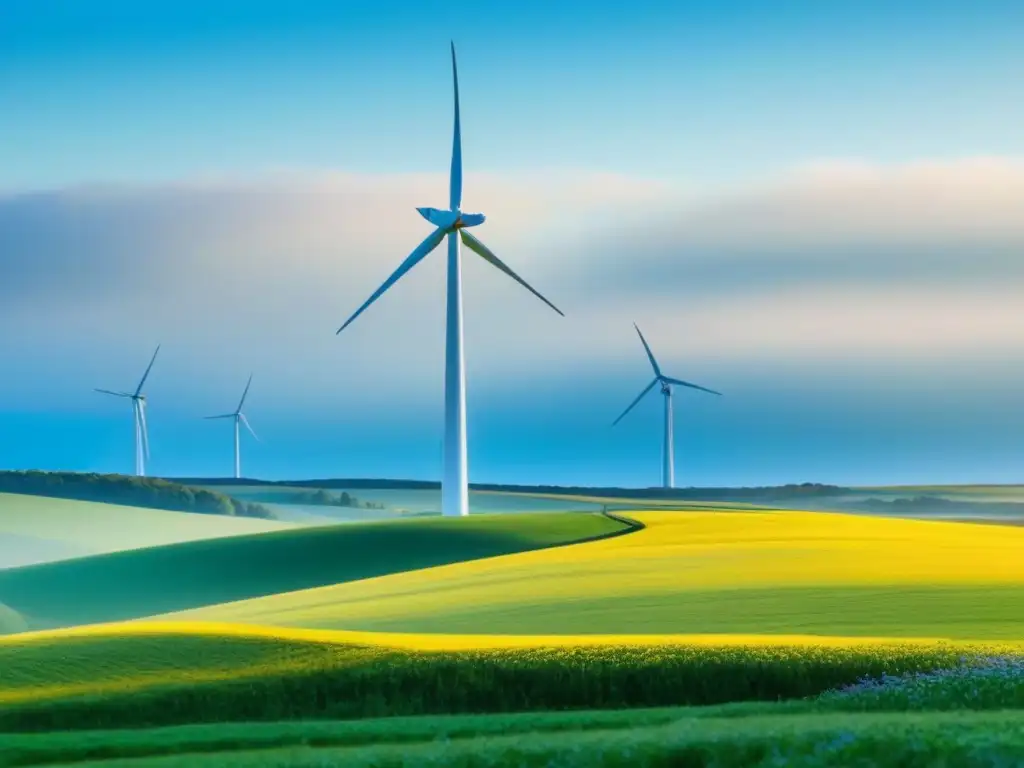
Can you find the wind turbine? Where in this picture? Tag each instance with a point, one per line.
(239, 418)
(139, 417)
(668, 470)
(452, 223)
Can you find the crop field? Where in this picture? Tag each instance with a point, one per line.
(297, 698)
(707, 636)
(152, 674)
(662, 738)
(142, 582)
(698, 573)
(36, 529)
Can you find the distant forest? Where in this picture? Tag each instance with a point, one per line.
(129, 490)
(324, 498)
(759, 493)
(935, 504)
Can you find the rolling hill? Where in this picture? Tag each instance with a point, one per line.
(39, 529)
(142, 582)
(700, 572)
(11, 621)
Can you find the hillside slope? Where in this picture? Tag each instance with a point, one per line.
(129, 490)
(700, 572)
(11, 621)
(137, 583)
(38, 529)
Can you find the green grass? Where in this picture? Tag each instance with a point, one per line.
(583, 740)
(815, 731)
(965, 612)
(11, 621)
(41, 529)
(137, 583)
(995, 684)
(94, 680)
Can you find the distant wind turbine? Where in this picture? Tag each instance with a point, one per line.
(239, 418)
(139, 417)
(668, 468)
(452, 223)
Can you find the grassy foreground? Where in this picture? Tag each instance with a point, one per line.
(142, 582)
(696, 573)
(138, 675)
(569, 740)
(181, 693)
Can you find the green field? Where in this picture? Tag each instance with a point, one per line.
(131, 676)
(67, 695)
(143, 582)
(37, 529)
(709, 636)
(823, 740)
(11, 620)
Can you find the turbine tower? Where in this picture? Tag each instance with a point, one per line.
(453, 224)
(240, 419)
(139, 418)
(668, 459)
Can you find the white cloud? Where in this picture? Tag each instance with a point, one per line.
(828, 223)
(887, 265)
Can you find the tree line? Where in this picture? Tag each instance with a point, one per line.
(324, 498)
(129, 490)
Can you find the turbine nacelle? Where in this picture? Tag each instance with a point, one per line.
(449, 221)
(666, 382)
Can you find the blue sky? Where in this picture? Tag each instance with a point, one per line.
(812, 207)
(112, 90)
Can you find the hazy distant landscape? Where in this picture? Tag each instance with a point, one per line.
(672, 623)
(280, 280)
(1003, 503)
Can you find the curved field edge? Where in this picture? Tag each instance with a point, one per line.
(734, 572)
(166, 579)
(146, 677)
(411, 641)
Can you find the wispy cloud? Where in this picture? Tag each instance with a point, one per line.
(830, 224)
(835, 261)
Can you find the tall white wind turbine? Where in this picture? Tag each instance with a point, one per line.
(668, 459)
(453, 224)
(239, 419)
(138, 417)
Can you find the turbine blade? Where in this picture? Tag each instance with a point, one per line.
(246, 392)
(633, 404)
(115, 394)
(682, 383)
(474, 244)
(429, 244)
(145, 429)
(145, 376)
(221, 416)
(650, 355)
(249, 427)
(455, 196)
